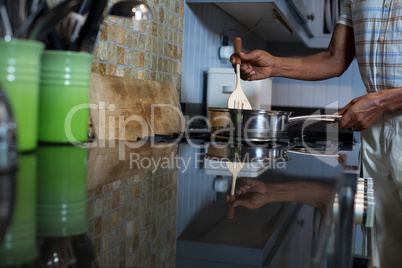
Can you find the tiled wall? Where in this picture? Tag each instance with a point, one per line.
(147, 49)
(132, 221)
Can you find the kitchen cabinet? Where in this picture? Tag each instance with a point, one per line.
(301, 235)
(282, 21)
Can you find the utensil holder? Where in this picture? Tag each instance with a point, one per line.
(62, 190)
(64, 96)
(20, 65)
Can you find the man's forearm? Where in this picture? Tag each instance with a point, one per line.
(327, 64)
(311, 193)
(319, 66)
(390, 99)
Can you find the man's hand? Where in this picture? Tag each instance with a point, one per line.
(249, 193)
(255, 65)
(361, 112)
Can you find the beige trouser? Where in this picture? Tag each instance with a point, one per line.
(382, 160)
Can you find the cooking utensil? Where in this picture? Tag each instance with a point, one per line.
(84, 8)
(256, 125)
(238, 100)
(58, 252)
(32, 5)
(12, 9)
(92, 27)
(234, 168)
(22, 16)
(45, 24)
(70, 27)
(6, 28)
(89, 34)
(23, 30)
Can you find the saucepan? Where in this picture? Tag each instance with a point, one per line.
(246, 154)
(256, 125)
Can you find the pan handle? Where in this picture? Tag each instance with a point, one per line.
(322, 117)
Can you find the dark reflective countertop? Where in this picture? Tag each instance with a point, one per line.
(164, 205)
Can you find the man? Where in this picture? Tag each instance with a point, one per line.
(371, 31)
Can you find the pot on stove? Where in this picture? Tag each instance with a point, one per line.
(255, 125)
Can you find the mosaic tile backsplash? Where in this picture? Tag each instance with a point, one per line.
(132, 221)
(147, 49)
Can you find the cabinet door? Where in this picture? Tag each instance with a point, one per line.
(296, 250)
(310, 13)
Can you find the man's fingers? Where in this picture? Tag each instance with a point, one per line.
(232, 59)
(241, 189)
(241, 202)
(346, 121)
(344, 109)
(242, 55)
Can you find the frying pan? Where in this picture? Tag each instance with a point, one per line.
(256, 125)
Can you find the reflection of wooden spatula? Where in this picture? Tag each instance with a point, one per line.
(234, 168)
(238, 100)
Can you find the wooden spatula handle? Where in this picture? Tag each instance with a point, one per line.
(237, 47)
(230, 214)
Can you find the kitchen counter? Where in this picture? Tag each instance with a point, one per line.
(147, 206)
(267, 236)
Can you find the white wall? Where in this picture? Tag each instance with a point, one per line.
(336, 92)
(203, 24)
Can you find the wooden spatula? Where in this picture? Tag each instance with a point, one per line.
(238, 100)
(234, 168)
